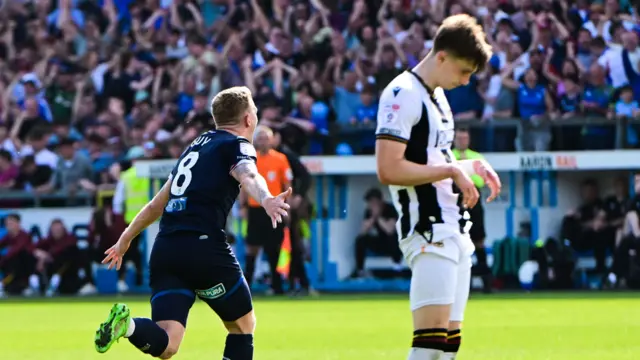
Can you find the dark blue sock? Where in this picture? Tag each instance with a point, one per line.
(239, 347)
(149, 337)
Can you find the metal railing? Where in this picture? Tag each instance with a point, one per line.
(24, 199)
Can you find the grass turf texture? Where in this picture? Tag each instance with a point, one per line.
(553, 326)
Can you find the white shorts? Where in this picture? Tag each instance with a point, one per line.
(441, 272)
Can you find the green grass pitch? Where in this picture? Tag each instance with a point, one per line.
(580, 326)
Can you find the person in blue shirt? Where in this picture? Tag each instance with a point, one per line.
(570, 100)
(465, 101)
(534, 102)
(366, 114)
(595, 102)
(627, 107)
(367, 110)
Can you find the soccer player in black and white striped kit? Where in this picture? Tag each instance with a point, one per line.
(430, 189)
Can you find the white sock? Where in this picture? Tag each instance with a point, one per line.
(131, 328)
(55, 281)
(448, 356)
(34, 281)
(424, 354)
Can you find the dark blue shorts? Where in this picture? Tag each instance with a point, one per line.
(184, 266)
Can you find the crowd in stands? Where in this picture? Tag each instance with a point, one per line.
(88, 83)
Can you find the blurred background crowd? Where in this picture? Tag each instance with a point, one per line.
(88, 86)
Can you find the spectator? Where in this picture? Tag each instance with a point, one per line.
(57, 261)
(534, 102)
(9, 172)
(570, 100)
(627, 108)
(596, 101)
(72, 172)
(378, 233)
(105, 228)
(466, 101)
(586, 227)
(37, 141)
(625, 270)
(17, 263)
(33, 177)
(493, 107)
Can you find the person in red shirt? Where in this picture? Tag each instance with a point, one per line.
(104, 230)
(17, 263)
(56, 257)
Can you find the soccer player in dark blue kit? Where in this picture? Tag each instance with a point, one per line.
(190, 256)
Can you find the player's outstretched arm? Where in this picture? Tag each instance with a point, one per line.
(246, 173)
(149, 213)
(252, 182)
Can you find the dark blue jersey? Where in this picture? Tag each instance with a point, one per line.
(202, 188)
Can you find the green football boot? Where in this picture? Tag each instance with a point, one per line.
(114, 328)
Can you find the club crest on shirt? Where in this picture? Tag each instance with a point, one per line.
(247, 149)
(390, 113)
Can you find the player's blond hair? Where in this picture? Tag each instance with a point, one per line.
(229, 106)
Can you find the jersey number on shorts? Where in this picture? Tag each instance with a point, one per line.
(183, 174)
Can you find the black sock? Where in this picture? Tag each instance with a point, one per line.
(250, 269)
(430, 339)
(239, 347)
(149, 337)
(454, 339)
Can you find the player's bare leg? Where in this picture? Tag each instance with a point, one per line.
(239, 345)
(431, 299)
(175, 331)
(430, 324)
(160, 339)
(454, 335)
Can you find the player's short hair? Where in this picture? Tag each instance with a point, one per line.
(462, 37)
(228, 107)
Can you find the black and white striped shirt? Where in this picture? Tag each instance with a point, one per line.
(411, 113)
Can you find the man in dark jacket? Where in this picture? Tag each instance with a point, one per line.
(299, 211)
(17, 263)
